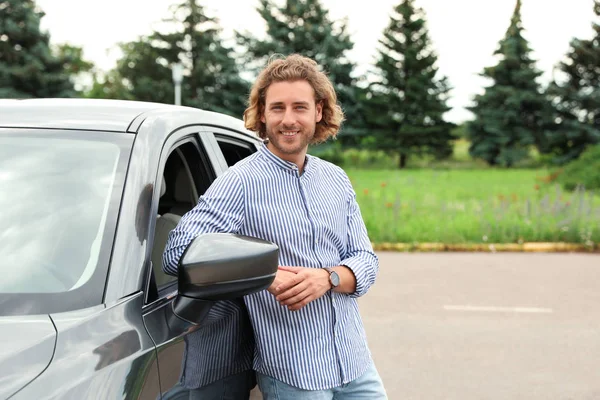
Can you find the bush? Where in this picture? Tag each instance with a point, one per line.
(331, 152)
(354, 157)
(585, 171)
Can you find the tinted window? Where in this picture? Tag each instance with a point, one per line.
(234, 150)
(186, 177)
(55, 197)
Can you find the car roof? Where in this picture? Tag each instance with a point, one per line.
(98, 114)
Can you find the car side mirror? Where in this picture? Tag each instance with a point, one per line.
(223, 266)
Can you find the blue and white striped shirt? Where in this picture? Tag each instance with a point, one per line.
(316, 222)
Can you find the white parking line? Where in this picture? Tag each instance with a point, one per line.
(499, 309)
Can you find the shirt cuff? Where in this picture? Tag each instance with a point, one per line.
(360, 275)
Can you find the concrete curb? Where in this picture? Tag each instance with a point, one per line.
(535, 247)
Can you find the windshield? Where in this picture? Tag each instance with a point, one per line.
(55, 197)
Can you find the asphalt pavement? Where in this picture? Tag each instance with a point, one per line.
(486, 325)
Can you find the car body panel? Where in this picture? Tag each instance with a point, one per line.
(90, 114)
(135, 124)
(32, 339)
(105, 353)
(107, 115)
(169, 334)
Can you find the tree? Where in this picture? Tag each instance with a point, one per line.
(28, 67)
(212, 80)
(577, 99)
(145, 70)
(407, 100)
(512, 114)
(304, 27)
(73, 60)
(108, 85)
(74, 63)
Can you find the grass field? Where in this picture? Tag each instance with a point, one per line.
(473, 206)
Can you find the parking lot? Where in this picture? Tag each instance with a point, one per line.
(486, 326)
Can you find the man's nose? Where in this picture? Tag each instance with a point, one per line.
(289, 118)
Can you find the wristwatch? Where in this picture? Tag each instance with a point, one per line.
(334, 278)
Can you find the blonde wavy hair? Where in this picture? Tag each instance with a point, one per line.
(293, 68)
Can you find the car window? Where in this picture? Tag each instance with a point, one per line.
(233, 149)
(185, 177)
(55, 201)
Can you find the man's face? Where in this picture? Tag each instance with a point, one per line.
(290, 116)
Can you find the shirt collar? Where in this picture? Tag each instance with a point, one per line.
(288, 165)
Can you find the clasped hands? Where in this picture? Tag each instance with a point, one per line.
(295, 287)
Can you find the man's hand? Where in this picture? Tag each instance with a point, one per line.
(281, 277)
(306, 285)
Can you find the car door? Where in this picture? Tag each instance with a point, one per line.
(190, 357)
(234, 147)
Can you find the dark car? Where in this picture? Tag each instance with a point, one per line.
(89, 191)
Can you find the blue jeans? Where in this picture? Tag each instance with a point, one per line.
(235, 387)
(366, 387)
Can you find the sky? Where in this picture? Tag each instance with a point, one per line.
(464, 33)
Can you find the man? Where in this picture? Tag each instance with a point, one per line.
(310, 341)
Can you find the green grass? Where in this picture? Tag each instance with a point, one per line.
(473, 206)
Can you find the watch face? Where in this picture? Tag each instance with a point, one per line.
(335, 278)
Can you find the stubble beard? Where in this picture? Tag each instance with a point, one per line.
(278, 141)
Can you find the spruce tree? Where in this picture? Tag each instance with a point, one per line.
(211, 81)
(512, 115)
(304, 27)
(577, 98)
(145, 71)
(406, 103)
(28, 67)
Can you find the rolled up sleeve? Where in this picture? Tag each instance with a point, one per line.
(359, 257)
